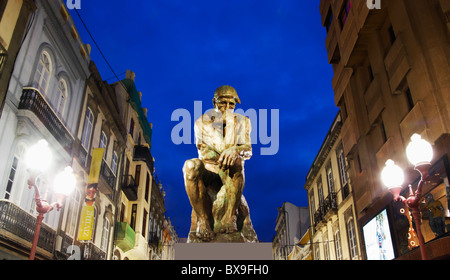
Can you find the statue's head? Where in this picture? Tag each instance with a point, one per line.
(225, 99)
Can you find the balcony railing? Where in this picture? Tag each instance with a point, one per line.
(92, 252)
(129, 187)
(33, 101)
(142, 153)
(318, 216)
(109, 177)
(22, 224)
(330, 203)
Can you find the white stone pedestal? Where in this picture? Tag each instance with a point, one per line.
(223, 251)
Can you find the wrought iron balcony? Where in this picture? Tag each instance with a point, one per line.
(19, 223)
(109, 178)
(318, 216)
(330, 205)
(92, 252)
(129, 187)
(32, 100)
(142, 153)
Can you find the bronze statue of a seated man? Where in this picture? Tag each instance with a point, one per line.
(215, 181)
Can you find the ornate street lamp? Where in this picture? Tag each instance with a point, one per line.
(38, 159)
(420, 154)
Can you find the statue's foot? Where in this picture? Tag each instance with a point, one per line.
(204, 232)
(228, 226)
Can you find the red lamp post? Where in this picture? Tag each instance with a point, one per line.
(38, 159)
(419, 153)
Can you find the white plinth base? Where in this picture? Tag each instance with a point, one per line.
(223, 251)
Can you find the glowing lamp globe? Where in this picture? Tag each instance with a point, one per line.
(38, 156)
(65, 182)
(419, 151)
(392, 175)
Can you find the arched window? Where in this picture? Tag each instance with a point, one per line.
(337, 245)
(105, 235)
(61, 97)
(87, 129)
(43, 71)
(351, 233)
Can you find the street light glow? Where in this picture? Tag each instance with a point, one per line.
(64, 182)
(419, 151)
(392, 175)
(39, 156)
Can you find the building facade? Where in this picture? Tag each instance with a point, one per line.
(291, 224)
(141, 217)
(43, 101)
(15, 18)
(334, 234)
(98, 128)
(56, 93)
(391, 68)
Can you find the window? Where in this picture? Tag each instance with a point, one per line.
(131, 131)
(73, 215)
(43, 72)
(342, 166)
(122, 213)
(144, 223)
(329, 19)
(61, 97)
(330, 178)
(351, 233)
(114, 163)
(317, 253)
(336, 56)
(147, 187)
(103, 143)
(337, 245)
(12, 175)
(105, 235)
(133, 216)
(137, 174)
(87, 129)
(320, 191)
(409, 99)
(311, 201)
(383, 131)
(392, 36)
(360, 168)
(326, 249)
(345, 12)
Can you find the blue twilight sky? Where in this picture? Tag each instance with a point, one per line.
(273, 53)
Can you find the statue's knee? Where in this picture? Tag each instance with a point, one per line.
(191, 168)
